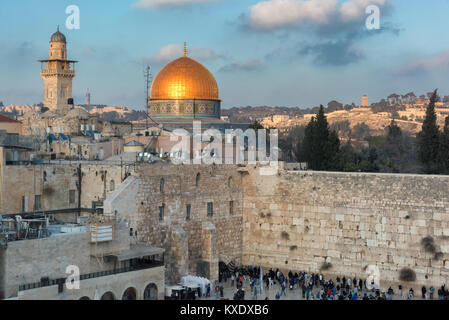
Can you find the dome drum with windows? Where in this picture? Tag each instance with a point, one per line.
(184, 88)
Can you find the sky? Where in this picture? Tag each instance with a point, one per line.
(262, 52)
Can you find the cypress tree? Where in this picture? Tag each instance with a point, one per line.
(429, 139)
(320, 146)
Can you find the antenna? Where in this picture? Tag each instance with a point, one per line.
(148, 81)
(147, 75)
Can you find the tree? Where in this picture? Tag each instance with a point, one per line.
(429, 139)
(444, 148)
(334, 106)
(255, 126)
(393, 132)
(320, 146)
(360, 131)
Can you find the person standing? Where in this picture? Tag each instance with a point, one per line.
(423, 291)
(283, 289)
(255, 293)
(217, 292)
(431, 291)
(411, 294)
(390, 293)
(232, 280)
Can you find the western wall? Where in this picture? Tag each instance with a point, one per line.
(342, 223)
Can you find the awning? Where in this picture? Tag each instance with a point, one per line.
(138, 251)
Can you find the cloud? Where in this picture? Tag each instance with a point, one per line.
(439, 62)
(334, 53)
(157, 4)
(246, 65)
(168, 53)
(173, 51)
(280, 14)
(204, 54)
(274, 14)
(333, 26)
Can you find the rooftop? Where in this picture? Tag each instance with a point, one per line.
(8, 119)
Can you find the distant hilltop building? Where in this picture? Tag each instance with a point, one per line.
(57, 73)
(365, 101)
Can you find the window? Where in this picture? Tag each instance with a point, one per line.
(231, 207)
(161, 185)
(71, 196)
(230, 182)
(37, 202)
(112, 185)
(24, 204)
(161, 212)
(188, 208)
(210, 209)
(197, 180)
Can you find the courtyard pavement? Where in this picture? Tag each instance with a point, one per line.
(295, 294)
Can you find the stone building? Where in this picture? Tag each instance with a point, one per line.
(193, 212)
(9, 125)
(36, 268)
(26, 186)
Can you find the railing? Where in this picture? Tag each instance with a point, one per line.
(57, 71)
(61, 281)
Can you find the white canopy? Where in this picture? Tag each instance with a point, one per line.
(195, 282)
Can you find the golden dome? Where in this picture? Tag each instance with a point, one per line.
(184, 78)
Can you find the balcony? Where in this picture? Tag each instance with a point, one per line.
(51, 72)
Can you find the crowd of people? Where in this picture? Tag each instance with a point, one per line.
(311, 286)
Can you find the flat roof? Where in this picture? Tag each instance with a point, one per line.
(138, 251)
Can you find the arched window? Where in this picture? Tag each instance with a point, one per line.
(112, 185)
(130, 294)
(161, 185)
(150, 292)
(108, 296)
(197, 180)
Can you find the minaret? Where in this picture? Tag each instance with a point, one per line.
(88, 98)
(57, 73)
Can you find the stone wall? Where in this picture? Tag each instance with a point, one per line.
(53, 182)
(29, 260)
(300, 220)
(216, 184)
(100, 180)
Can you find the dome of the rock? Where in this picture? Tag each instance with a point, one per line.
(184, 88)
(184, 78)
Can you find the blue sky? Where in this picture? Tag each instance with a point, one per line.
(273, 52)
